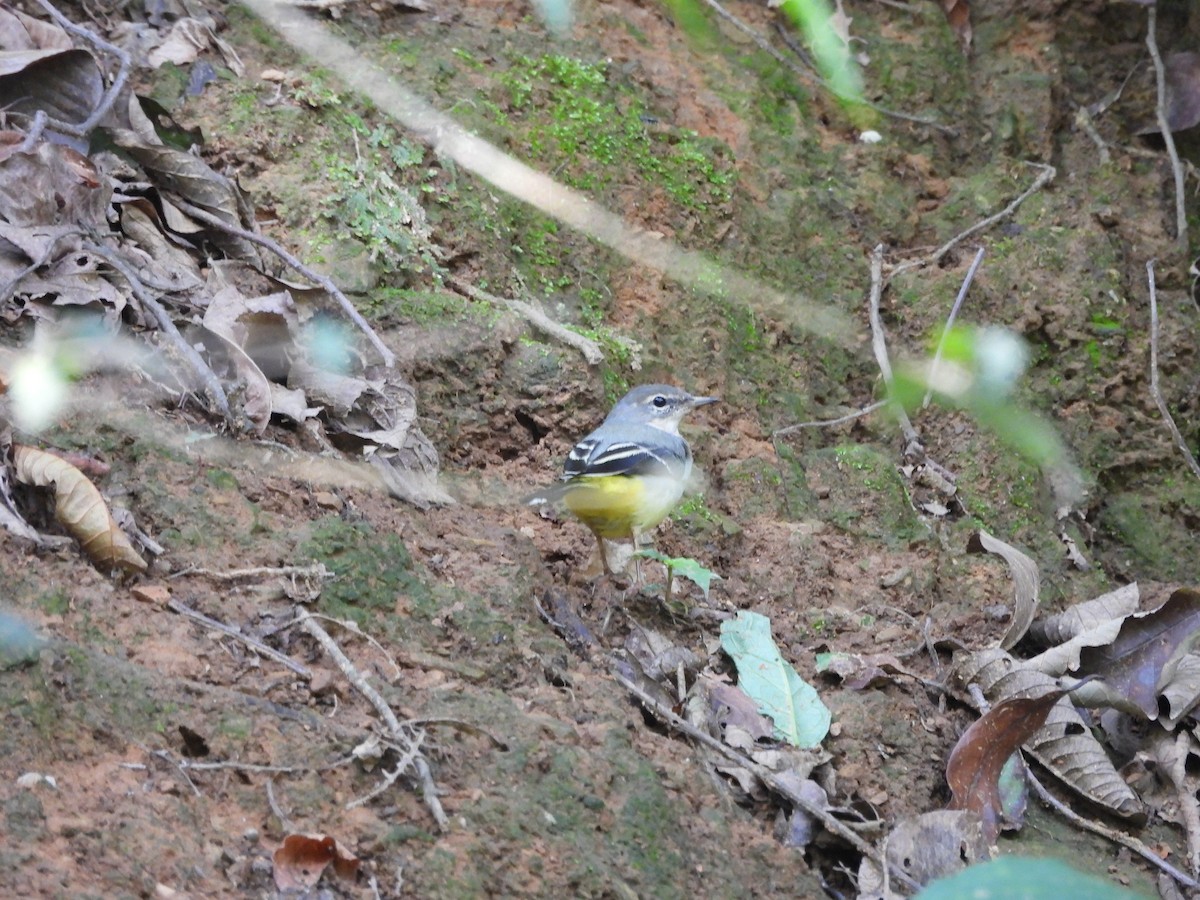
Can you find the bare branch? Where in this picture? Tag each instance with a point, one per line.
(256, 645)
(1155, 390)
(82, 129)
(590, 349)
(403, 736)
(941, 347)
(1047, 175)
(828, 423)
(1160, 108)
(1113, 835)
(206, 376)
(879, 343)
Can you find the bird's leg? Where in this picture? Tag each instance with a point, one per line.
(603, 556)
(637, 560)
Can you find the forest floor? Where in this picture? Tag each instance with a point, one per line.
(477, 622)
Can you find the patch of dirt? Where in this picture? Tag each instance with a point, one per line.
(555, 782)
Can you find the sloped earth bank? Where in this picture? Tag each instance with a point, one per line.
(554, 782)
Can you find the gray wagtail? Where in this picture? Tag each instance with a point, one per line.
(627, 475)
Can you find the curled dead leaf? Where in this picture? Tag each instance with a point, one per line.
(973, 771)
(1024, 573)
(79, 507)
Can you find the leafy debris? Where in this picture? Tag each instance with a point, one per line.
(792, 704)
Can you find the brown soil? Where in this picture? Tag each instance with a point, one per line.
(555, 783)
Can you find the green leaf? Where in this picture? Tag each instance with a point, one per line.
(1023, 878)
(799, 715)
(684, 567)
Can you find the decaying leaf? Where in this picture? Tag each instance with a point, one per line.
(191, 179)
(1083, 617)
(50, 186)
(40, 69)
(659, 656)
(929, 846)
(732, 706)
(792, 704)
(976, 761)
(860, 671)
(79, 507)
(801, 827)
(1065, 744)
(958, 17)
(254, 391)
(1182, 72)
(54, 202)
(1181, 694)
(302, 858)
(1024, 573)
(1143, 657)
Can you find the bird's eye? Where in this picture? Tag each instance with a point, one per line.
(660, 401)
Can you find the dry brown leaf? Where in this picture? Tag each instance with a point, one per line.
(1181, 693)
(1065, 745)
(302, 858)
(231, 363)
(659, 656)
(733, 707)
(79, 507)
(973, 771)
(1144, 656)
(1182, 72)
(958, 16)
(860, 671)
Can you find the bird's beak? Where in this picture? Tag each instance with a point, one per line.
(704, 401)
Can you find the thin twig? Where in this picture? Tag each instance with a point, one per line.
(316, 570)
(941, 347)
(84, 128)
(201, 369)
(403, 736)
(879, 345)
(811, 77)
(1160, 79)
(537, 318)
(218, 765)
(1047, 175)
(768, 777)
(1155, 391)
(281, 658)
(411, 752)
(1083, 121)
(284, 822)
(828, 423)
(389, 358)
(1116, 836)
(166, 757)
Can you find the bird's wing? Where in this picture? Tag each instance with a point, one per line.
(592, 459)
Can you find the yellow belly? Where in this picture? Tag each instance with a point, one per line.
(619, 506)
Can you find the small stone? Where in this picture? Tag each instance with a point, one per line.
(151, 593)
(328, 500)
(889, 633)
(321, 683)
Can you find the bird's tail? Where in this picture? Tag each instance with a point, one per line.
(551, 494)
